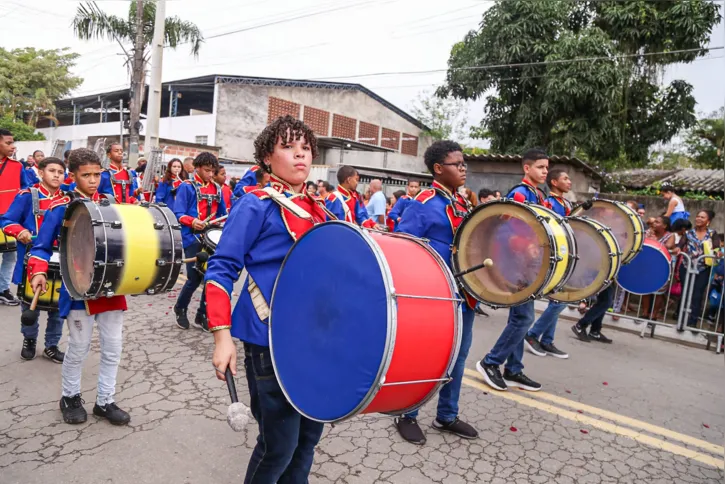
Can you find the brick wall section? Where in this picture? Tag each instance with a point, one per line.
(184, 151)
(280, 107)
(369, 133)
(343, 127)
(318, 120)
(409, 145)
(391, 139)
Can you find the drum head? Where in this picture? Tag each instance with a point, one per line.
(592, 270)
(79, 250)
(331, 346)
(518, 242)
(212, 237)
(618, 217)
(655, 262)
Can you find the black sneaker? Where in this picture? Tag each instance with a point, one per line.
(554, 351)
(519, 380)
(201, 321)
(599, 337)
(7, 298)
(480, 311)
(54, 354)
(533, 345)
(409, 429)
(28, 351)
(110, 411)
(457, 427)
(73, 411)
(181, 320)
(491, 375)
(580, 333)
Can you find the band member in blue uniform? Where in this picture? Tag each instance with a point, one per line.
(117, 181)
(261, 177)
(540, 338)
(198, 201)
(257, 236)
(402, 202)
(345, 203)
(22, 221)
(509, 348)
(435, 214)
(249, 179)
(107, 312)
(166, 191)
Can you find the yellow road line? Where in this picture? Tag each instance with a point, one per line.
(637, 424)
(605, 426)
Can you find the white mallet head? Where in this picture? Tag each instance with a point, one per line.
(238, 416)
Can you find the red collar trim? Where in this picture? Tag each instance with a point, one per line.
(46, 192)
(198, 180)
(344, 192)
(281, 185)
(527, 182)
(114, 169)
(437, 185)
(95, 197)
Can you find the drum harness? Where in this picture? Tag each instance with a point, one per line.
(37, 211)
(123, 183)
(208, 197)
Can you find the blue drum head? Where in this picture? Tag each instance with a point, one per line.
(331, 322)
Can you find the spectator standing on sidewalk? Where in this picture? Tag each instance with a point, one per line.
(699, 242)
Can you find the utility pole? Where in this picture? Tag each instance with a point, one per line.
(153, 108)
(138, 77)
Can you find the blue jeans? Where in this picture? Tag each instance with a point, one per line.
(286, 441)
(510, 345)
(6, 269)
(595, 315)
(53, 330)
(194, 278)
(448, 396)
(545, 327)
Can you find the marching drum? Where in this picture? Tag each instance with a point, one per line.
(48, 300)
(7, 243)
(655, 262)
(625, 224)
(113, 249)
(533, 249)
(209, 241)
(376, 337)
(598, 261)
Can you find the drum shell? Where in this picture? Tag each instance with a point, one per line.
(563, 248)
(634, 224)
(136, 249)
(422, 330)
(654, 261)
(47, 301)
(7, 243)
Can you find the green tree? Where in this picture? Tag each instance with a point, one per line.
(32, 80)
(20, 130)
(444, 117)
(706, 141)
(608, 103)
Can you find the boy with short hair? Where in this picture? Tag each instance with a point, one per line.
(22, 221)
(107, 312)
(198, 200)
(220, 178)
(117, 181)
(509, 348)
(257, 236)
(345, 202)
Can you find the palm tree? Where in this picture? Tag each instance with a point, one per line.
(91, 22)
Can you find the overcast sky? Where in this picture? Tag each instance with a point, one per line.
(333, 39)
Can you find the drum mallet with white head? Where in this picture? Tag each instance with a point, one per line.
(237, 413)
(200, 258)
(30, 316)
(485, 263)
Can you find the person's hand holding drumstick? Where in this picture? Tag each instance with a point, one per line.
(225, 353)
(25, 237)
(39, 283)
(197, 224)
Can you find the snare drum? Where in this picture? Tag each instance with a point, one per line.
(209, 241)
(625, 224)
(532, 248)
(598, 261)
(381, 336)
(655, 261)
(117, 249)
(7, 243)
(48, 300)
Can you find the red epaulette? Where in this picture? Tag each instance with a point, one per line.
(24, 191)
(331, 197)
(254, 168)
(250, 188)
(425, 195)
(64, 200)
(259, 193)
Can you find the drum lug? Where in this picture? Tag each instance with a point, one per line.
(144, 204)
(96, 223)
(159, 226)
(104, 202)
(176, 227)
(116, 224)
(150, 292)
(110, 293)
(160, 263)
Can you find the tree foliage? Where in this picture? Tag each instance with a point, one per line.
(706, 141)
(444, 117)
(20, 130)
(32, 80)
(607, 103)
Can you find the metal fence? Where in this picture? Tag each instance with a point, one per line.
(691, 301)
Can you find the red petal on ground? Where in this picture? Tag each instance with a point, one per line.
(580, 411)
(605, 383)
(584, 431)
(706, 426)
(513, 429)
(567, 391)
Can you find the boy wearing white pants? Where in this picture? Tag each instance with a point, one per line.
(85, 168)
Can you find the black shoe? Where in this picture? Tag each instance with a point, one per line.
(599, 337)
(28, 351)
(115, 415)
(181, 320)
(409, 429)
(520, 380)
(54, 354)
(533, 345)
(491, 375)
(7, 298)
(580, 333)
(480, 311)
(201, 321)
(457, 427)
(73, 411)
(554, 351)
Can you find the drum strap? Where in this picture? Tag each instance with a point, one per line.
(258, 301)
(123, 183)
(35, 196)
(346, 209)
(210, 198)
(285, 202)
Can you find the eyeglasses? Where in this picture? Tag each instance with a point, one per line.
(460, 165)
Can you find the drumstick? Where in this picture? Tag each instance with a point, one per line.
(237, 413)
(30, 315)
(485, 263)
(217, 220)
(201, 257)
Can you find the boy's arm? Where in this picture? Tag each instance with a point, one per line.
(11, 221)
(42, 249)
(335, 206)
(413, 220)
(181, 205)
(28, 178)
(106, 187)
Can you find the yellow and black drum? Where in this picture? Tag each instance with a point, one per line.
(532, 248)
(48, 300)
(598, 261)
(625, 224)
(7, 243)
(112, 249)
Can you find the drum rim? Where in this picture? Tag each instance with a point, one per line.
(573, 248)
(457, 239)
(175, 267)
(52, 266)
(95, 288)
(659, 253)
(389, 340)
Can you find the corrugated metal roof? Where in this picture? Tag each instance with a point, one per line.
(555, 159)
(686, 179)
